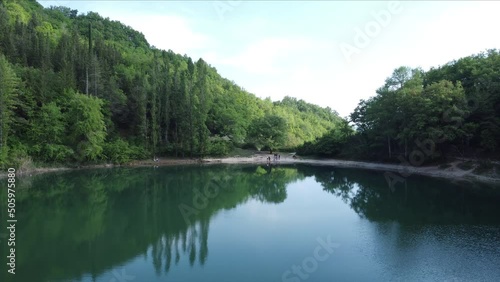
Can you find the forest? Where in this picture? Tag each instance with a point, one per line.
(420, 117)
(80, 88)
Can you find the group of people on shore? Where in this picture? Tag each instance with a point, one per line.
(276, 157)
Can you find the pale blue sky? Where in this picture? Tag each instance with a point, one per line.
(301, 48)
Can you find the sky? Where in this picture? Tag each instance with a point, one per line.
(330, 53)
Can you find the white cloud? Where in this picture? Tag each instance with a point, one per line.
(288, 66)
(168, 32)
(273, 56)
(262, 56)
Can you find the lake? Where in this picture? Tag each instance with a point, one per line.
(251, 223)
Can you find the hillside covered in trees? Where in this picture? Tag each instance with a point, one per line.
(83, 88)
(419, 117)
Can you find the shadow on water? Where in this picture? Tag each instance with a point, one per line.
(83, 223)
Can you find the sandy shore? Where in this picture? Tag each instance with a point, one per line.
(452, 172)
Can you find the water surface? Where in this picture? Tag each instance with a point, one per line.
(252, 223)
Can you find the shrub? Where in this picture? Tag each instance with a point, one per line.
(52, 152)
(18, 158)
(219, 147)
(138, 152)
(118, 151)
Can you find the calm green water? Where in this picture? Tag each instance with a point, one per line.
(250, 223)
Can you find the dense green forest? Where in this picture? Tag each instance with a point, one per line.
(419, 117)
(83, 88)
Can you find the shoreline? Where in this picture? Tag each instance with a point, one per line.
(452, 172)
(136, 163)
